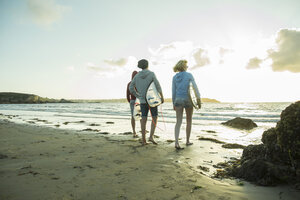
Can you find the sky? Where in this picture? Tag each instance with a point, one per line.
(237, 51)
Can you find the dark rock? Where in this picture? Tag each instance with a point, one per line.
(264, 172)
(288, 130)
(233, 146)
(254, 152)
(240, 123)
(103, 133)
(2, 156)
(211, 139)
(64, 101)
(127, 133)
(209, 131)
(206, 169)
(89, 129)
(93, 124)
(269, 137)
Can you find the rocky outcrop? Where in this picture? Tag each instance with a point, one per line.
(241, 123)
(277, 159)
(20, 98)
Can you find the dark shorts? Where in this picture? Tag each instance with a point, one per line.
(145, 109)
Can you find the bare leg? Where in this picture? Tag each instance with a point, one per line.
(143, 127)
(133, 126)
(153, 126)
(179, 115)
(189, 115)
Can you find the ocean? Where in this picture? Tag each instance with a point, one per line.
(111, 116)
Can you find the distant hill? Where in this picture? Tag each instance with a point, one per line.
(18, 98)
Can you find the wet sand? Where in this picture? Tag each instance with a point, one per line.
(50, 163)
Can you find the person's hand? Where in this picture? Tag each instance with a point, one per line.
(199, 103)
(162, 98)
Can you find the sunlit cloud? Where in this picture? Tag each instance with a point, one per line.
(46, 12)
(282, 55)
(222, 53)
(172, 52)
(116, 62)
(169, 54)
(93, 67)
(286, 55)
(113, 68)
(254, 63)
(201, 58)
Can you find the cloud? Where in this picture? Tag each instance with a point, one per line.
(118, 62)
(254, 63)
(93, 67)
(201, 58)
(46, 12)
(113, 68)
(286, 57)
(172, 52)
(163, 49)
(224, 51)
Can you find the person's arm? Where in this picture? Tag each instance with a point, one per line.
(128, 93)
(173, 91)
(157, 85)
(132, 88)
(197, 91)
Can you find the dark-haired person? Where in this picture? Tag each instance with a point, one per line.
(181, 100)
(141, 82)
(131, 100)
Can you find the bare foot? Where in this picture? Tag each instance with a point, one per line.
(189, 143)
(177, 147)
(135, 136)
(151, 140)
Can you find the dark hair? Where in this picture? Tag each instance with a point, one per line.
(143, 64)
(133, 74)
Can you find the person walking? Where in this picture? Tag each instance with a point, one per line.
(181, 100)
(141, 83)
(131, 100)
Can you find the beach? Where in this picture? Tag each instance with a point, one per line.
(39, 162)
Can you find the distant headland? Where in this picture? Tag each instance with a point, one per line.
(22, 98)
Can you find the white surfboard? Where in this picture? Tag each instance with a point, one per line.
(153, 97)
(193, 96)
(137, 114)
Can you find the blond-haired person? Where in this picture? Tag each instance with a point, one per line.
(181, 100)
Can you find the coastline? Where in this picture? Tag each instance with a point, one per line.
(49, 163)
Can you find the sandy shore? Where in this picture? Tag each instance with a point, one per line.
(49, 163)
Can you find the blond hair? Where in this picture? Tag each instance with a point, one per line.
(180, 66)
